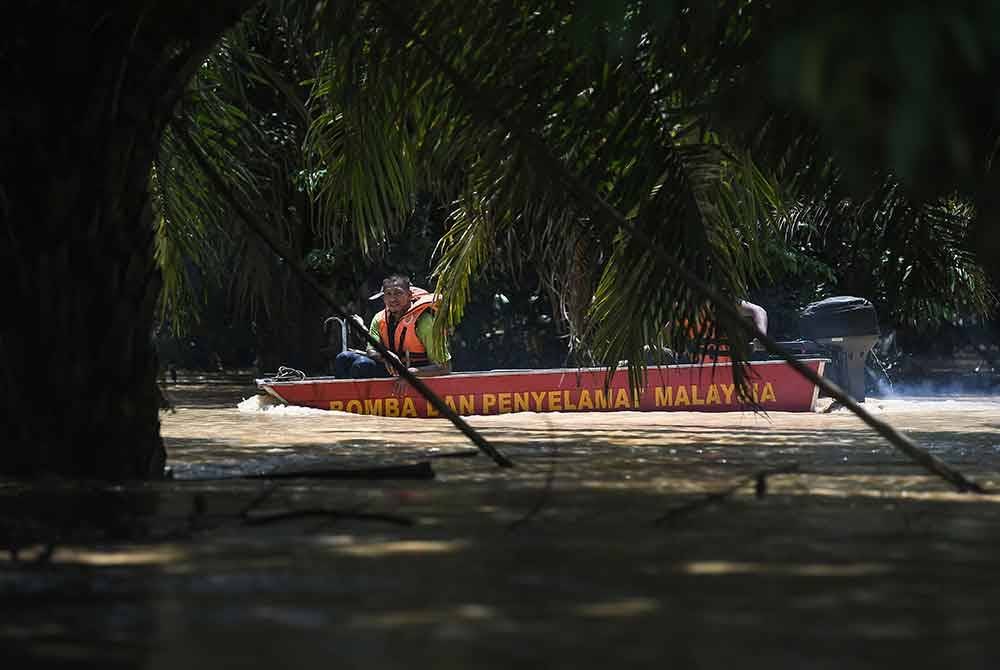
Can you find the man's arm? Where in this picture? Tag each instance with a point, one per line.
(432, 370)
(425, 331)
(756, 314)
(373, 330)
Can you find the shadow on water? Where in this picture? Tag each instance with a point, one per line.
(95, 604)
(792, 579)
(195, 458)
(858, 559)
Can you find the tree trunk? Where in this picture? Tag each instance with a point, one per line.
(78, 392)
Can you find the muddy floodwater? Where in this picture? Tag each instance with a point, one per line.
(668, 540)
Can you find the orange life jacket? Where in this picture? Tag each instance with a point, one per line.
(403, 341)
(715, 348)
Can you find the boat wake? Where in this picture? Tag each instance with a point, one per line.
(901, 404)
(265, 403)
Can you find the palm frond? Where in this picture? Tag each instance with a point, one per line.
(527, 113)
(520, 112)
(708, 227)
(228, 112)
(912, 259)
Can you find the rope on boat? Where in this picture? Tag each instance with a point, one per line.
(286, 373)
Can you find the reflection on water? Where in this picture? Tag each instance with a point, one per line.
(859, 554)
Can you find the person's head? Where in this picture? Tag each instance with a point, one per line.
(396, 293)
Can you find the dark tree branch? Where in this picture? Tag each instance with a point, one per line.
(540, 502)
(760, 490)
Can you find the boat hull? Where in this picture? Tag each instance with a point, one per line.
(774, 385)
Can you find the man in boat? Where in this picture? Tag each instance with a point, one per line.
(756, 314)
(717, 349)
(405, 328)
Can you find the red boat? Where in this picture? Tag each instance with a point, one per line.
(775, 386)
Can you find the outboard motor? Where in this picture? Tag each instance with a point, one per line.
(846, 328)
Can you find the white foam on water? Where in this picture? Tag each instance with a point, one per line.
(903, 404)
(265, 403)
(256, 403)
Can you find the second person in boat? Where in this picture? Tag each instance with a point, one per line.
(405, 328)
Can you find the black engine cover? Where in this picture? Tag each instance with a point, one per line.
(839, 316)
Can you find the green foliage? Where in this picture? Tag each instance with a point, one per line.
(912, 260)
(520, 110)
(617, 153)
(893, 86)
(244, 111)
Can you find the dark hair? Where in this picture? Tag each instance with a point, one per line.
(396, 279)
